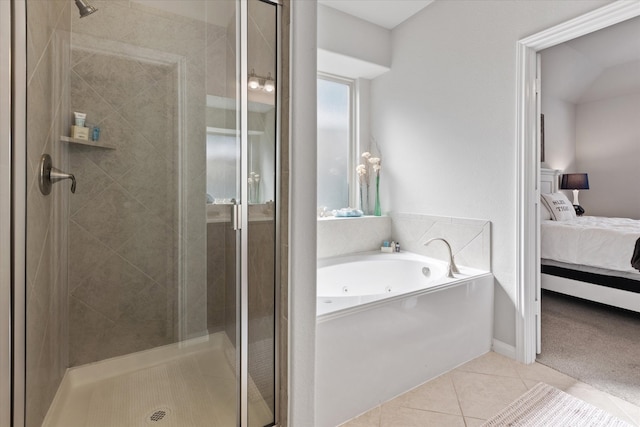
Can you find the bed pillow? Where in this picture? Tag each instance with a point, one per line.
(559, 206)
(544, 212)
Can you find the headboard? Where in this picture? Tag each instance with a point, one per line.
(549, 180)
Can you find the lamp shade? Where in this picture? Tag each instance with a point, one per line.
(574, 181)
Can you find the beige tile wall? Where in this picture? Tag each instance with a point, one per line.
(283, 350)
(231, 303)
(216, 276)
(46, 333)
(261, 308)
(124, 230)
(137, 229)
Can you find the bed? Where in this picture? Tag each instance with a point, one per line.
(588, 257)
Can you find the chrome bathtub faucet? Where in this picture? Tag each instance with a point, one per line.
(452, 268)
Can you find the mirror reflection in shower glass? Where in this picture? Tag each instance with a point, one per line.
(334, 121)
(222, 159)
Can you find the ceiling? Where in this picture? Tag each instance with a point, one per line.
(385, 13)
(599, 65)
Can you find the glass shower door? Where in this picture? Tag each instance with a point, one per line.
(152, 234)
(132, 279)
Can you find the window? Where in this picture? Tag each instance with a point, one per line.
(335, 141)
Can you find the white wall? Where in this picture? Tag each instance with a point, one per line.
(559, 131)
(444, 117)
(608, 149)
(363, 115)
(350, 36)
(302, 214)
(351, 47)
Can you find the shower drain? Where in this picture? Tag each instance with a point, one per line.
(158, 415)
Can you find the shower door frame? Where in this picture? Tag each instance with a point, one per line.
(5, 211)
(17, 146)
(244, 211)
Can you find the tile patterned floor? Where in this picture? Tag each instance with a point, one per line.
(477, 390)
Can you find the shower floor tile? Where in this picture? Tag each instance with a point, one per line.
(194, 390)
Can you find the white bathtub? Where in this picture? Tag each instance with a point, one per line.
(385, 325)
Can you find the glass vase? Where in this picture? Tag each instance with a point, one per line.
(377, 211)
(364, 199)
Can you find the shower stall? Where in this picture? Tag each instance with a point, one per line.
(146, 182)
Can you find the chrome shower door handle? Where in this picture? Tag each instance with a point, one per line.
(50, 175)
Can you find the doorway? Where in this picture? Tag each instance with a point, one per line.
(528, 290)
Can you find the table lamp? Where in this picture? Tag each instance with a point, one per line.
(575, 182)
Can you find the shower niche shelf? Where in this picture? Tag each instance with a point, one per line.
(96, 144)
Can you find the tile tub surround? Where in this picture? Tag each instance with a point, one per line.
(477, 390)
(340, 236)
(470, 239)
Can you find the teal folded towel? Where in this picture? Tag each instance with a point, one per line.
(344, 212)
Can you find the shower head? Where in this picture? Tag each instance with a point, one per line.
(85, 8)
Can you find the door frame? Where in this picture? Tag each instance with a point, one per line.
(528, 164)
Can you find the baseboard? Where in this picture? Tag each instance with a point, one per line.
(503, 348)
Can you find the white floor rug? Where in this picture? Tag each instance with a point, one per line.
(546, 406)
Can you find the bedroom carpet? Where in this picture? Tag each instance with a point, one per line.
(593, 343)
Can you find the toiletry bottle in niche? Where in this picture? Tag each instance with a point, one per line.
(95, 135)
(79, 119)
(397, 246)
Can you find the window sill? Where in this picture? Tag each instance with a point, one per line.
(339, 218)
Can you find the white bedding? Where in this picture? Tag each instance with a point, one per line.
(590, 240)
